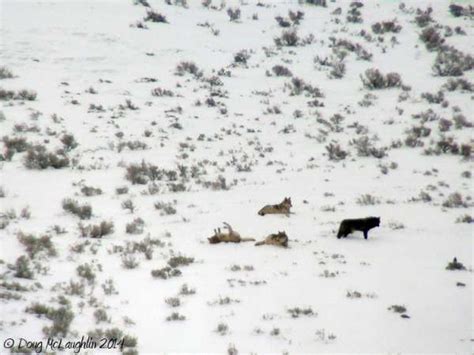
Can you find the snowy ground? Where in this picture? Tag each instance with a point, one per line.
(244, 141)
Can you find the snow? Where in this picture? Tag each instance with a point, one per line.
(49, 42)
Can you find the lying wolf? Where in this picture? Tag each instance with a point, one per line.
(230, 236)
(280, 239)
(282, 208)
(362, 224)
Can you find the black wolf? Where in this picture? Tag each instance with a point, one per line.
(361, 224)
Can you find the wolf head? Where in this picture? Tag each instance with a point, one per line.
(287, 201)
(375, 221)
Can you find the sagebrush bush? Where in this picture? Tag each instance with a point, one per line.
(460, 121)
(185, 290)
(141, 173)
(74, 288)
(153, 16)
(426, 116)
(280, 70)
(135, 227)
(385, 27)
(458, 11)
(455, 200)
(344, 44)
(234, 14)
(452, 62)
(144, 246)
(287, 38)
(182, 3)
(5, 73)
(37, 245)
(436, 98)
(459, 84)
(432, 39)
(222, 329)
(121, 190)
(132, 145)
(297, 311)
(296, 17)
(367, 200)
(298, 86)
(128, 205)
(373, 79)
(22, 268)
(365, 148)
(129, 261)
(354, 15)
(173, 301)
(37, 157)
(69, 142)
(165, 208)
(444, 124)
(176, 261)
(91, 191)
(72, 206)
(220, 183)
(16, 144)
(165, 273)
(175, 316)
(96, 230)
(282, 22)
(23, 127)
(6, 95)
(186, 67)
(142, 2)
(61, 317)
(423, 17)
(335, 152)
(448, 145)
(24, 94)
(465, 219)
(322, 3)
(160, 92)
(241, 57)
(397, 308)
(338, 69)
(101, 315)
(86, 272)
(414, 134)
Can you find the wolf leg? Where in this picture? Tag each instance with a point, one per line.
(366, 234)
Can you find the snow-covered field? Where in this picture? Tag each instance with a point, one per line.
(170, 130)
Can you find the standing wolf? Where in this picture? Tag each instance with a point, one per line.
(281, 208)
(361, 224)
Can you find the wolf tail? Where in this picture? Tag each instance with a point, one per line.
(247, 239)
